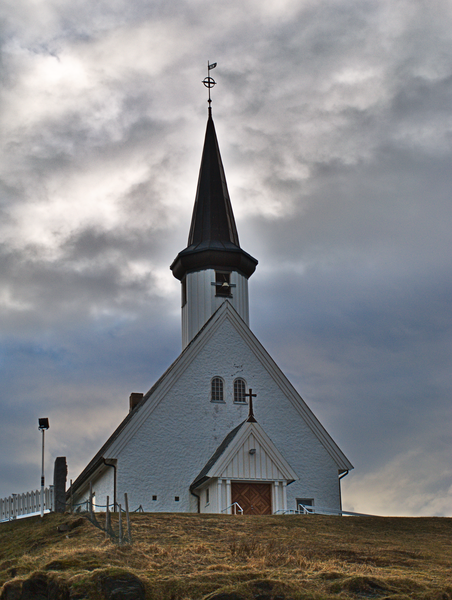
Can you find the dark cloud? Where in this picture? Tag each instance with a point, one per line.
(334, 126)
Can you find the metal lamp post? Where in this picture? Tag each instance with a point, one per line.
(43, 425)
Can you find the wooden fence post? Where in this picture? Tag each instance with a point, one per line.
(90, 499)
(129, 531)
(119, 525)
(107, 518)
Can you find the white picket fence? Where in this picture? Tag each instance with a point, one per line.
(29, 503)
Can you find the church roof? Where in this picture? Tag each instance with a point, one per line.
(215, 456)
(213, 241)
(163, 385)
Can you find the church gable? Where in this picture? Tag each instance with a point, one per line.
(234, 349)
(252, 455)
(226, 348)
(178, 423)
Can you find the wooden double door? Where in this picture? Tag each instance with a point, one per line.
(254, 498)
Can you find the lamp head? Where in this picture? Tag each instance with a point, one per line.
(43, 424)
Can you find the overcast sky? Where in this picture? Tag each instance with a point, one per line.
(334, 121)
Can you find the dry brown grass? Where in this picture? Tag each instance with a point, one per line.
(183, 556)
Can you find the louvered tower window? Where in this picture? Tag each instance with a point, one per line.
(223, 284)
(217, 390)
(239, 390)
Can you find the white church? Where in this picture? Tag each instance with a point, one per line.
(222, 429)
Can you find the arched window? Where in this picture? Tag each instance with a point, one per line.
(217, 390)
(239, 390)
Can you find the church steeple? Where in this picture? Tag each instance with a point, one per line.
(213, 267)
(213, 241)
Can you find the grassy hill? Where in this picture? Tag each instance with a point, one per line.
(183, 556)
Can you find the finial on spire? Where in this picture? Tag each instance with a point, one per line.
(209, 82)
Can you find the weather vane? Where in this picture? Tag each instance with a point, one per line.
(209, 82)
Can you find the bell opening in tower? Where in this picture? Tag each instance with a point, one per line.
(223, 284)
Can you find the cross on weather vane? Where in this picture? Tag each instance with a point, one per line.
(250, 395)
(209, 82)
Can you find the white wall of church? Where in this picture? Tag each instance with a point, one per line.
(102, 486)
(202, 303)
(210, 504)
(166, 451)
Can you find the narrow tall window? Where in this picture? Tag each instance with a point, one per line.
(217, 390)
(239, 390)
(184, 291)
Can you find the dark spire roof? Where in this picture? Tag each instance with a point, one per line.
(213, 219)
(213, 241)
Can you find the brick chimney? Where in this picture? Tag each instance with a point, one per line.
(134, 399)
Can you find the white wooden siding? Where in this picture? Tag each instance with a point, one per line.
(252, 466)
(202, 302)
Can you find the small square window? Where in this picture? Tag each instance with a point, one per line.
(176, 498)
(154, 498)
(304, 502)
